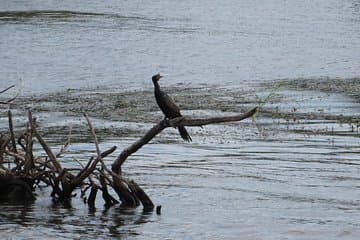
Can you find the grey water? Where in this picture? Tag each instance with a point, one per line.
(55, 45)
(273, 179)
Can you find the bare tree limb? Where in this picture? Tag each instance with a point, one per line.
(16, 155)
(29, 164)
(88, 170)
(2, 91)
(11, 99)
(4, 141)
(94, 135)
(11, 129)
(47, 149)
(65, 146)
(127, 197)
(143, 197)
(181, 121)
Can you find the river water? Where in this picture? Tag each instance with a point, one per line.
(292, 173)
(55, 45)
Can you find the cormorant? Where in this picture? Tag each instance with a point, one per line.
(168, 106)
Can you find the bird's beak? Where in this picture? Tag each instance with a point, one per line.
(160, 77)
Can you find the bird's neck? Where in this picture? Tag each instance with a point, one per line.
(157, 86)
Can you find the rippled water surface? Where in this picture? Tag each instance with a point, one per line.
(52, 45)
(291, 173)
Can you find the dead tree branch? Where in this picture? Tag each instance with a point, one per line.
(11, 129)
(176, 122)
(2, 91)
(25, 166)
(46, 148)
(11, 99)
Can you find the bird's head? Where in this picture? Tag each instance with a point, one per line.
(156, 78)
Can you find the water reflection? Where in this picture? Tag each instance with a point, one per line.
(18, 214)
(71, 221)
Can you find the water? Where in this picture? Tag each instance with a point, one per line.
(121, 43)
(283, 177)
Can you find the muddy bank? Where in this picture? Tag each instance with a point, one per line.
(318, 98)
(120, 113)
(132, 105)
(349, 87)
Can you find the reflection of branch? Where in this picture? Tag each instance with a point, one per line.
(176, 122)
(10, 100)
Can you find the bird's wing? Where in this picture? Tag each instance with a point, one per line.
(171, 106)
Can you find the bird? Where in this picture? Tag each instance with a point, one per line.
(168, 106)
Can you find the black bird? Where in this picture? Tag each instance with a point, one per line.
(168, 106)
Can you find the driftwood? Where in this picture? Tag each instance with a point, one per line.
(22, 170)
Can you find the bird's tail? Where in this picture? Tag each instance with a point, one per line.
(184, 134)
